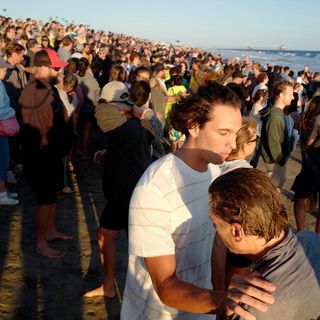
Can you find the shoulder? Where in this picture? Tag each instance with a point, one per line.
(307, 238)
(158, 172)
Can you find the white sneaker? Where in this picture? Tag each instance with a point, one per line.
(11, 178)
(8, 201)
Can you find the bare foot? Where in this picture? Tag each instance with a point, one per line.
(50, 252)
(58, 235)
(99, 292)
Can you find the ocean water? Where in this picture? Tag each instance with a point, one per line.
(295, 59)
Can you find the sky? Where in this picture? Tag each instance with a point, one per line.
(202, 23)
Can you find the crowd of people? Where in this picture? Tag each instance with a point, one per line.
(176, 122)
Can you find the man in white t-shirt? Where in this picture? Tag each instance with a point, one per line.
(170, 234)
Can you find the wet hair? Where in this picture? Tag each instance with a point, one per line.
(83, 66)
(139, 93)
(246, 133)
(196, 109)
(248, 197)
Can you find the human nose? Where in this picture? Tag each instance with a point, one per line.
(232, 141)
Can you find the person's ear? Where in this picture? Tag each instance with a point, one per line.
(237, 232)
(194, 131)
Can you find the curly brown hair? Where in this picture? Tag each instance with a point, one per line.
(196, 109)
(248, 197)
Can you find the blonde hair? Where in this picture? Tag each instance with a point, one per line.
(246, 133)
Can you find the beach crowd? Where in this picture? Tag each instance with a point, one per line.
(208, 233)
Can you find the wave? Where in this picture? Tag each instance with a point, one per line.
(295, 59)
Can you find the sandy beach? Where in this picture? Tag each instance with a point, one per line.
(34, 287)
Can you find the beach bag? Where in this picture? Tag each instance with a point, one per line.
(109, 117)
(9, 127)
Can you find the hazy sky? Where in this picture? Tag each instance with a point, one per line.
(205, 23)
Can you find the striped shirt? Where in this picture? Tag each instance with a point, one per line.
(168, 216)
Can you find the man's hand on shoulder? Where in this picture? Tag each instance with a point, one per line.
(250, 290)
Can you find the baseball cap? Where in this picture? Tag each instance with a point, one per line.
(5, 64)
(114, 91)
(79, 47)
(49, 58)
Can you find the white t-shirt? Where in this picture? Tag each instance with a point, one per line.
(168, 216)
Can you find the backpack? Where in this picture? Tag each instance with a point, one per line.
(291, 137)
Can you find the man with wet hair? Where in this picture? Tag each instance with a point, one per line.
(170, 234)
(250, 218)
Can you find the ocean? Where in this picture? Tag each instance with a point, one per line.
(295, 59)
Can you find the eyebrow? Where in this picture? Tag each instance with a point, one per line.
(225, 130)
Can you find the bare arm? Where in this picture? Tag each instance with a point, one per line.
(218, 263)
(178, 294)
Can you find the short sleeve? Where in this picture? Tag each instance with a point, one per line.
(150, 224)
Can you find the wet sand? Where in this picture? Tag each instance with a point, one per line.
(34, 287)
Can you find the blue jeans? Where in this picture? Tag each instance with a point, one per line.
(4, 157)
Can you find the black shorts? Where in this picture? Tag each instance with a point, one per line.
(115, 214)
(306, 183)
(43, 174)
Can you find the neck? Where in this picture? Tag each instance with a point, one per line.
(279, 104)
(9, 60)
(265, 247)
(192, 159)
(43, 78)
(237, 156)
